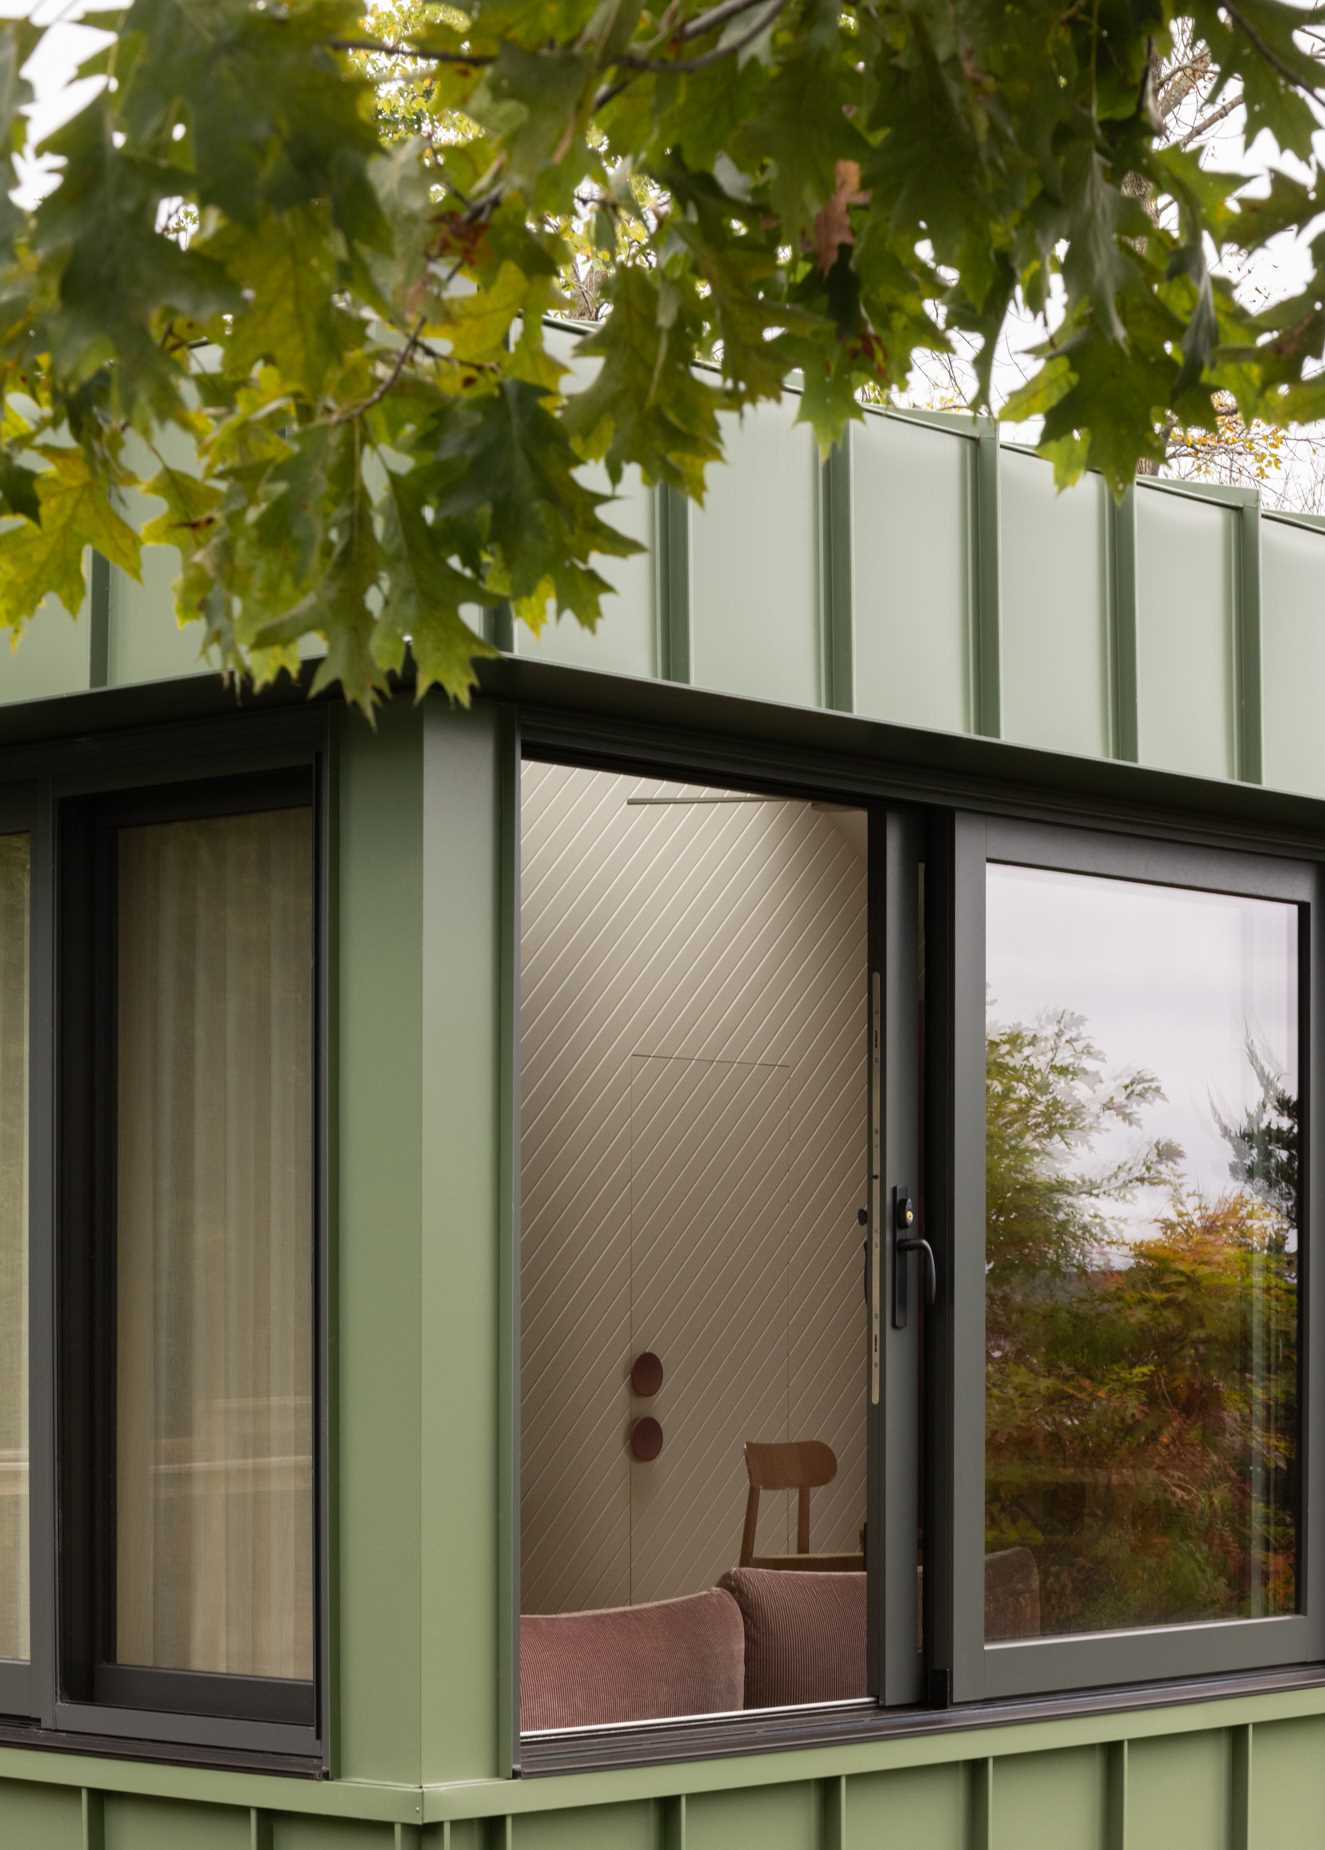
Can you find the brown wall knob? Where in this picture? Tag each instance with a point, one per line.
(646, 1375)
(646, 1437)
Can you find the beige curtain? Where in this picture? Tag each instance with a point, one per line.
(14, 864)
(214, 999)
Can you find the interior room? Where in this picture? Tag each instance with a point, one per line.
(694, 1113)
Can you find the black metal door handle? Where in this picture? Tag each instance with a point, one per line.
(904, 1244)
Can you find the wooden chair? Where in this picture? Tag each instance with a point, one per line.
(801, 1465)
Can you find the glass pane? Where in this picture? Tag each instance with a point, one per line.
(1142, 1290)
(214, 1166)
(14, 865)
(694, 1120)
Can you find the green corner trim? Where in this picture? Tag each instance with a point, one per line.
(836, 617)
(1124, 699)
(1247, 620)
(98, 663)
(671, 581)
(988, 663)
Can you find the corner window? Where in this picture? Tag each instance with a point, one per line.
(161, 1476)
(1132, 1210)
(916, 1213)
(213, 1172)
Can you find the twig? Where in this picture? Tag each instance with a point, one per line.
(1224, 109)
(384, 50)
(684, 67)
(379, 391)
(716, 16)
(1270, 55)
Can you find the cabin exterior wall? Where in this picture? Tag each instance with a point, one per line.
(922, 576)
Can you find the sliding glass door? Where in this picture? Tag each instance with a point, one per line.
(715, 986)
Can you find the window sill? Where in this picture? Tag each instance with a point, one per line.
(781, 1730)
(224, 1756)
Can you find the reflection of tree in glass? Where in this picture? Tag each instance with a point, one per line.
(1141, 1391)
(1265, 1142)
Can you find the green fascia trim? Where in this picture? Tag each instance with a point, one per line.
(565, 1791)
(326, 1798)
(1223, 492)
(1286, 517)
(955, 423)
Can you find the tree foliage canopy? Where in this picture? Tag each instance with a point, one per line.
(1141, 1400)
(350, 334)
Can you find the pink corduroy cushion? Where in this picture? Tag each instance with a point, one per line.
(632, 1663)
(804, 1635)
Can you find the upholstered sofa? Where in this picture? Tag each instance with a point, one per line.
(761, 1639)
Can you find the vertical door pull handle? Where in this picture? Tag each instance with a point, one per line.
(905, 1242)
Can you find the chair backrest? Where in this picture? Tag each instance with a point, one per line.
(801, 1465)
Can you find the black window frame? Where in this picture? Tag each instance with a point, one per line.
(1044, 1666)
(1148, 827)
(68, 799)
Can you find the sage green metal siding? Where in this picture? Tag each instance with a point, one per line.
(1055, 609)
(626, 640)
(754, 564)
(1186, 642)
(913, 573)
(1233, 1776)
(1293, 640)
(922, 577)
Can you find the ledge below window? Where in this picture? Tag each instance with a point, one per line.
(586, 1750)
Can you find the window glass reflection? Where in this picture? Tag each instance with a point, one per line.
(1142, 1248)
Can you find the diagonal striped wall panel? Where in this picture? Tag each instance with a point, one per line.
(693, 1094)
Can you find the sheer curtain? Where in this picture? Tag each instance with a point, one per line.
(14, 863)
(214, 1168)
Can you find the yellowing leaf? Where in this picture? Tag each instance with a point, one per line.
(476, 325)
(76, 513)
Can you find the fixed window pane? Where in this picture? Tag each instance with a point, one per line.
(213, 1203)
(1143, 1145)
(14, 877)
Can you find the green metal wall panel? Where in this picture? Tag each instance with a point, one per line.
(53, 655)
(1068, 1787)
(1293, 640)
(1288, 1784)
(772, 1818)
(456, 1313)
(909, 1810)
(754, 568)
(45, 1817)
(378, 1157)
(132, 1823)
(626, 640)
(1180, 1794)
(606, 1827)
(145, 643)
(913, 573)
(1054, 609)
(1240, 1775)
(1186, 639)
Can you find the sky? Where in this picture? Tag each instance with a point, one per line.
(1167, 980)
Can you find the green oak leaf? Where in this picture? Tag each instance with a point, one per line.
(37, 560)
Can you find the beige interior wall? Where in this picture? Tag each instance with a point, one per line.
(656, 934)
